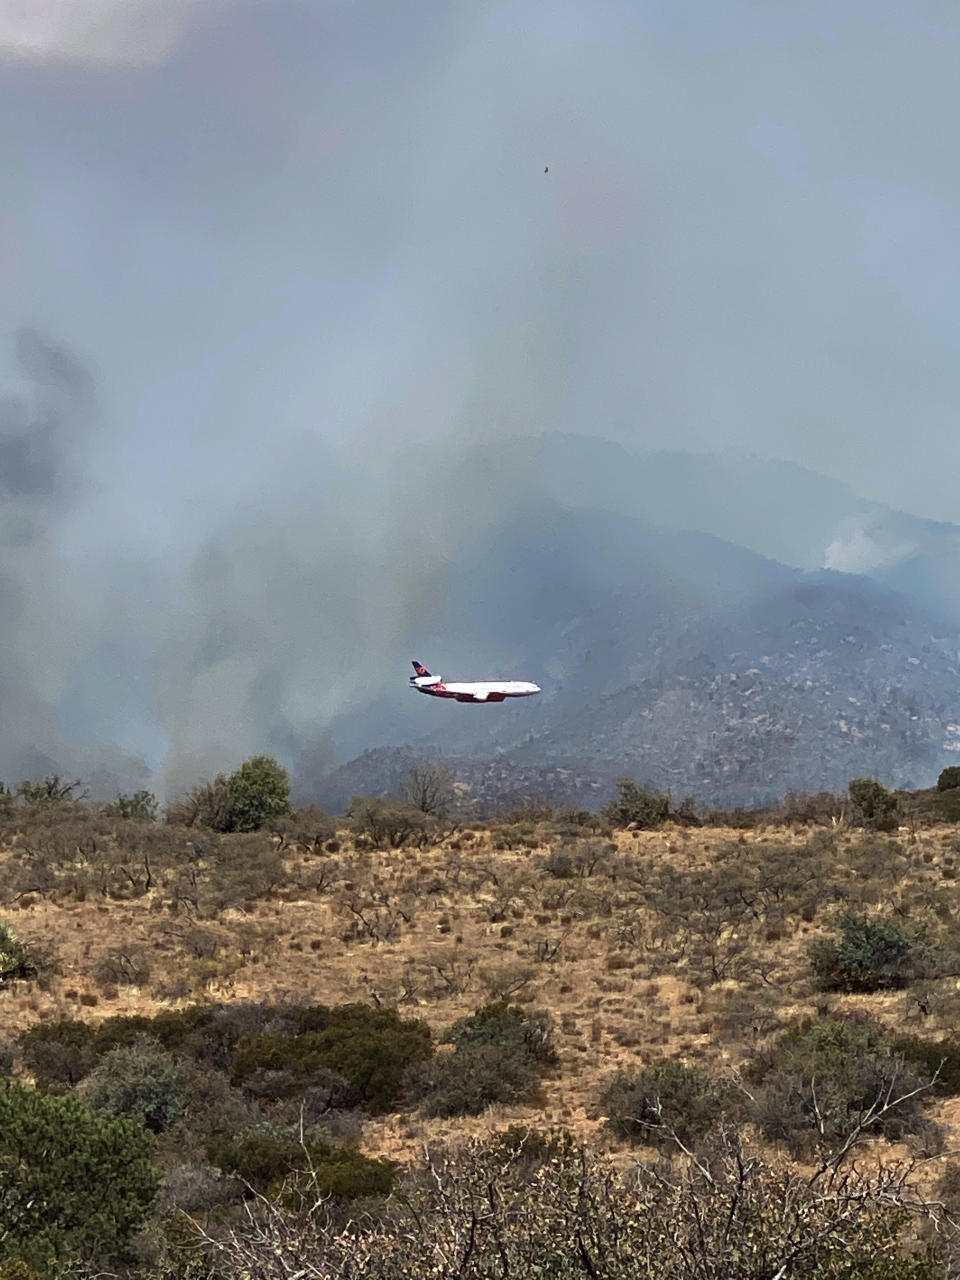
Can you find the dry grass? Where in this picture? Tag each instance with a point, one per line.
(440, 931)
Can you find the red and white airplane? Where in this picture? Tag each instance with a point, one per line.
(470, 691)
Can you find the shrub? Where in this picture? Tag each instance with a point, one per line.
(207, 805)
(142, 806)
(927, 1057)
(371, 1049)
(123, 966)
(872, 799)
(193, 1189)
(472, 1078)
(499, 1054)
(387, 824)
(820, 808)
(665, 1099)
(16, 960)
(635, 806)
(483, 1210)
(257, 793)
(50, 790)
(244, 867)
(871, 955)
(578, 858)
(949, 778)
(58, 1053)
(537, 1146)
(263, 1159)
(821, 1077)
(307, 828)
(946, 806)
(206, 1034)
(504, 1025)
(73, 1184)
(142, 1081)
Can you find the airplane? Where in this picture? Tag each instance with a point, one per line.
(470, 691)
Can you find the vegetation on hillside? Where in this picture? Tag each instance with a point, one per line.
(644, 1040)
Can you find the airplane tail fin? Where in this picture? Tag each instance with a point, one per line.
(419, 668)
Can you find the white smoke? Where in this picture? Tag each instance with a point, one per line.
(857, 549)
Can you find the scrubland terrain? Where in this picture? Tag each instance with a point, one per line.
(623, 950)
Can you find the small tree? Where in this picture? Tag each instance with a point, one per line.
(389, 825)
(142, 806)
(207, 805)
(258, 792)
(949, 778)
(429, 788)
(636, 806)
(873, 801)
(73, 1185)
(51, 790)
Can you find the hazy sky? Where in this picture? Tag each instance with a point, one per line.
(280, 236)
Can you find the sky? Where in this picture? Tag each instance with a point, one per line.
(284, 281)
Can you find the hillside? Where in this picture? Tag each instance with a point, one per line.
(690, 946)
(693, 663)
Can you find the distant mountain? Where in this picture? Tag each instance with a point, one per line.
(776, 509)
(804, 688)
(690, 662)
(546, 594)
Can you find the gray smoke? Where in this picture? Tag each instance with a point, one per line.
(46, 422)
(330, 297)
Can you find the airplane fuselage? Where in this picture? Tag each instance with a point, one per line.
(474, 690)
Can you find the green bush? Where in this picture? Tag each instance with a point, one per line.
(15, 958)
(142, 806)
(207, 1034)
(665, 1099)
(504, 1025)
(821, 1076)
(142, 1081)
(58, 1054)
(257, 793)
(476, 1076)
(262, 1159)
(873, 801)
(871, 955)
(372, 1049)
(949, 778)
(74, 1185)
(499, 1054)
(635, 806)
